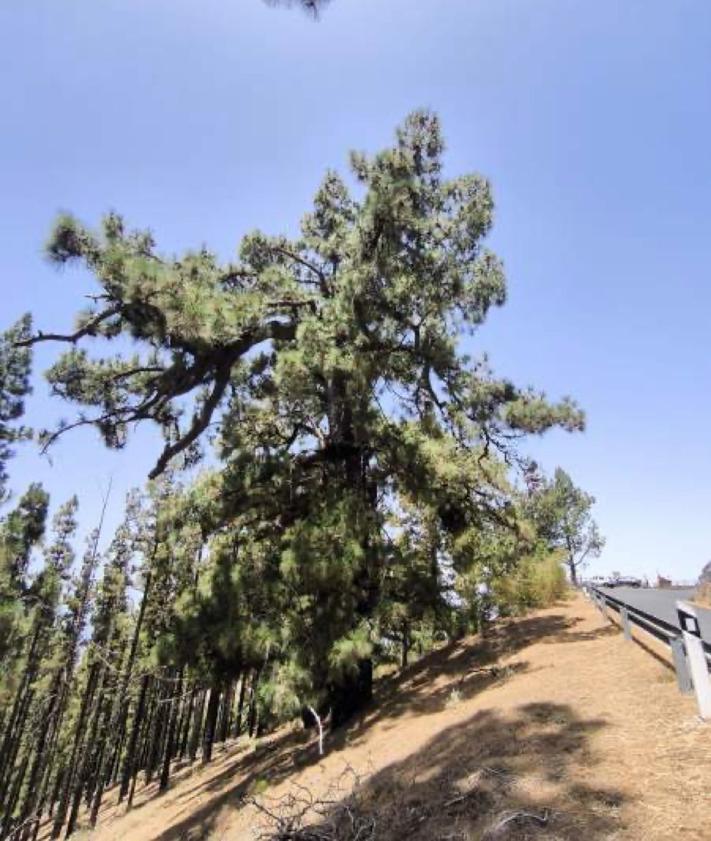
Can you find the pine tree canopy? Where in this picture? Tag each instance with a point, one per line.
(317, 349)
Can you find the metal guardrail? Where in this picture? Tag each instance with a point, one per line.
(690, 676)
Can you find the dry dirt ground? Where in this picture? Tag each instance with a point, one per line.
(554, 727)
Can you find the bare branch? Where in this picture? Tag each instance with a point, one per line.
(89, 329)
(198, 426)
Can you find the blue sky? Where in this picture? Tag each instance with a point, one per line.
(203, 119)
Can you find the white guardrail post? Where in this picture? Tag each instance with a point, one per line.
(689, 622)
(683, 678)
(626, 627)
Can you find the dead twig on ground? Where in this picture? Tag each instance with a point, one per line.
(519, 818)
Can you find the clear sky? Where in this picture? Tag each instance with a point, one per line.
(203, 119)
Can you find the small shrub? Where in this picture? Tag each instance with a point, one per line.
(454, 698)
(537, 581)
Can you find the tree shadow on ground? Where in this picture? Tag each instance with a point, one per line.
(602, 632)
(505, 777)
(426, 686)
(454, 672)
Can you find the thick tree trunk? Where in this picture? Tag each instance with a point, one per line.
(351, 695)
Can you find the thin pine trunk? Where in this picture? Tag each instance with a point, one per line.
(240, 703)
(140, 756)
(76, 756)
(405, 646)
(197, 727)
(14, 750)
(126, 679)
(14, 795)
(86, 761)
(210, 722)
(15, 724)
(42, 764)
(147, 733)
(57, 787)
(158, 735)
(170, 737)
(252, 715)
(226, 713)
(115, 766)
(187, 721)
(110, 743)
(129, 764)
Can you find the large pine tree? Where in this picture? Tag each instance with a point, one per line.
(329, 370)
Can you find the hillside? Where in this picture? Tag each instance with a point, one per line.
(554, 715)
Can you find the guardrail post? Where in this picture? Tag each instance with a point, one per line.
(626, 627)
(688, 620)
(603, 608)
(683, 678)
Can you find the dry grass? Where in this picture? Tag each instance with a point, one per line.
(553, 728)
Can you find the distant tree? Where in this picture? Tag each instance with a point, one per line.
(15, 363)
(562, 513)
(110, 631)
(45, 666)
(20, 532)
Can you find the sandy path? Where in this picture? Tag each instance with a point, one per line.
(573, 720)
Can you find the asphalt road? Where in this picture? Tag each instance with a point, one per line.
(661, 604)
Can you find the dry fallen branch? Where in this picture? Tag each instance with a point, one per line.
(353, 811)
(520, 818)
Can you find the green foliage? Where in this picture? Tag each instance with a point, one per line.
(538, 580)
(20, 533)
(562, 514)
(15, 363)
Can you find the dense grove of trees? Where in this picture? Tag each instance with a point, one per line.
(366, 497)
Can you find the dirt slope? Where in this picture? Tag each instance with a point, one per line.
(555, 716)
